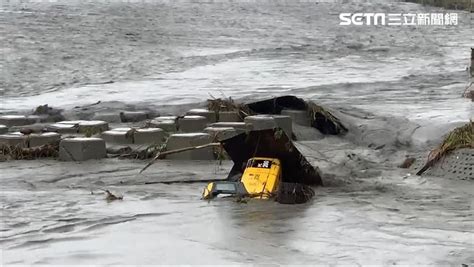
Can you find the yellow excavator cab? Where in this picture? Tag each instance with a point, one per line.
(260, 179)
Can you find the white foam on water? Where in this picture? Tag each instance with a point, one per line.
(235, 78)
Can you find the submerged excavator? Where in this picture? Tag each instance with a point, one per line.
(267, 165)
(260, 179)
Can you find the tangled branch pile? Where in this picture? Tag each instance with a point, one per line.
(19, 153)
(227, 104)
(461, 137)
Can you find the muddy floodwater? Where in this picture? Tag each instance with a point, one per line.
(399, 88)
(51, 217)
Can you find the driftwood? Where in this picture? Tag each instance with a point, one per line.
(109, 195)
(160, 155)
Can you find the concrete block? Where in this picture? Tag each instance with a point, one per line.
(63, 128)
(260, 122)
(211, 116)
(3, 129)
(191, 124)
(220, 133)
(88, 126)
(80, 149)
(107, 117)
(285, 122)
(149, 136)
(14, 139)
(229, 116)
(35, 128)
(134, 116)
(16, 120)
(166, 125)
(177, 141)
(456, 165)
(39, 139)
(166, 118)
(118, 136)
(299, 117)
(239, 126)
(270, 121)
(118, 149)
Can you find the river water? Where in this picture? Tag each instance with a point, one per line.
(173, 53)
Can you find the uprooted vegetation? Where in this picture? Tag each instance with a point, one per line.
(461, 137)
(26, 153)
(227, 104)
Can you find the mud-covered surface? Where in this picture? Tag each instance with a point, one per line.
(396, 89)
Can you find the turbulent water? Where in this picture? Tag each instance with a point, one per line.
(181, 52)
(165, 53)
